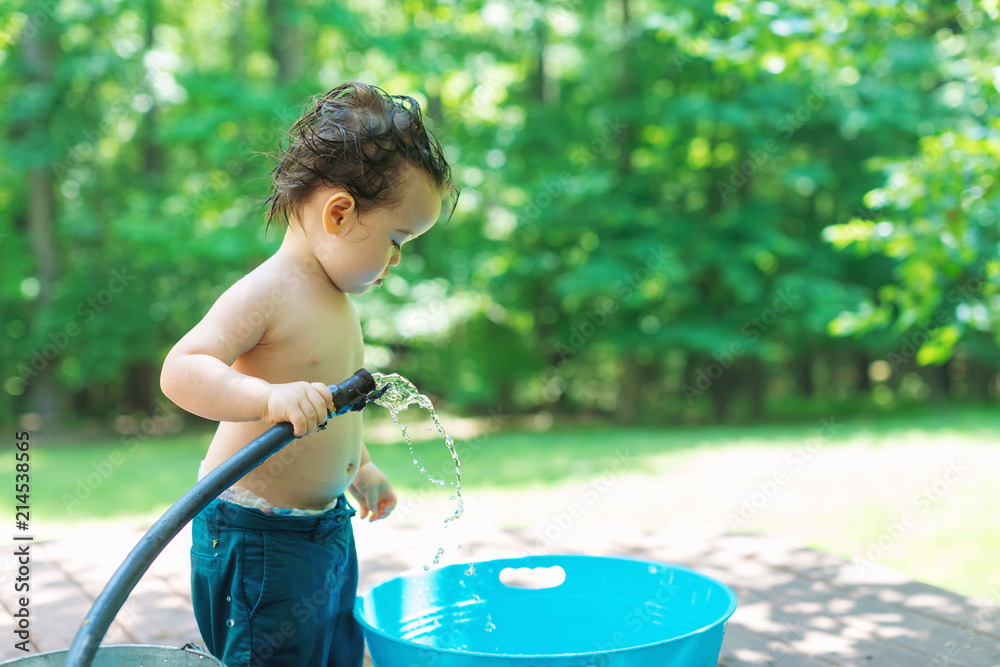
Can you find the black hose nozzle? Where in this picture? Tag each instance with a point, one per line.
(352, 393)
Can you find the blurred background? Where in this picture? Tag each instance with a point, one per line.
(765, 233)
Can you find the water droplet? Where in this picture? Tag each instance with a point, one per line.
(427, 567)
(471, 570)
(451, 497)
(490, 626)
(471, 549)
(230, 623)
(229, 598)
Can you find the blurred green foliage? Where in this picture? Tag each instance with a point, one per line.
(674, 211)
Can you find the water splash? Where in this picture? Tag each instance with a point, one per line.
(400, 395)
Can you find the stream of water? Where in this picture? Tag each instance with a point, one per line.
(400, 395)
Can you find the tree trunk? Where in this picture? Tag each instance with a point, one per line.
(435, 110)
(45, 396)
(540, 86)
(152, 152)
(862, 381)
(979, 380)
(757, 386)
(285, 46)
(627, 411)
(140, 378)
(628, 402)
(937, 380)
(238, 41)
(721, 393)
(803, 368)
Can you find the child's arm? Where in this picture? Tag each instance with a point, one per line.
(197, 376)
(372, 490)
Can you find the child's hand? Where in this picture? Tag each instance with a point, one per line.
(374, 494)
(304, 404)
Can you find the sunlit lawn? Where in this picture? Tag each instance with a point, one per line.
(951, 544)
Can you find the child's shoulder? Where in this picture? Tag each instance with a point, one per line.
(279, 284)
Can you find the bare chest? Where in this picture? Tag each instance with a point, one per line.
(314, 342)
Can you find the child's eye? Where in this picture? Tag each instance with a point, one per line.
(396, 245)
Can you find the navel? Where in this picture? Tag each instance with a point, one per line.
(350, 468)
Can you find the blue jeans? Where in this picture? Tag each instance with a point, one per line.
(272, 590)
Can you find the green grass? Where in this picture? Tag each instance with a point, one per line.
(87, 481)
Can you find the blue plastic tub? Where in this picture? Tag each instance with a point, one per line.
(608, 612)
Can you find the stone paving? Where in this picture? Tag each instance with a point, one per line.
(796, 606)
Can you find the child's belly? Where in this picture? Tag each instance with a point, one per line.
(307, 473)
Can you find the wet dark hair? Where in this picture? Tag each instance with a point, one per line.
(357, 137)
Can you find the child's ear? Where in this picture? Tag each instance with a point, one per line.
(338, 212)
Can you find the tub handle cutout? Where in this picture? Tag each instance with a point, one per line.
(534, 578)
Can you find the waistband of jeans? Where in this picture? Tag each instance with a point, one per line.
(220, 512)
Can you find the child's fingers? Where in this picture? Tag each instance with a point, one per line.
(372, 502)
(299, 422)
(386, 503)
(390, 504)
(325, 393)
(318, 402)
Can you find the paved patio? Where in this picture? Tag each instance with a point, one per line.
(796, 606)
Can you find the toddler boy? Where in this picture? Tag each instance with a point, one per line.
(273, 563)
